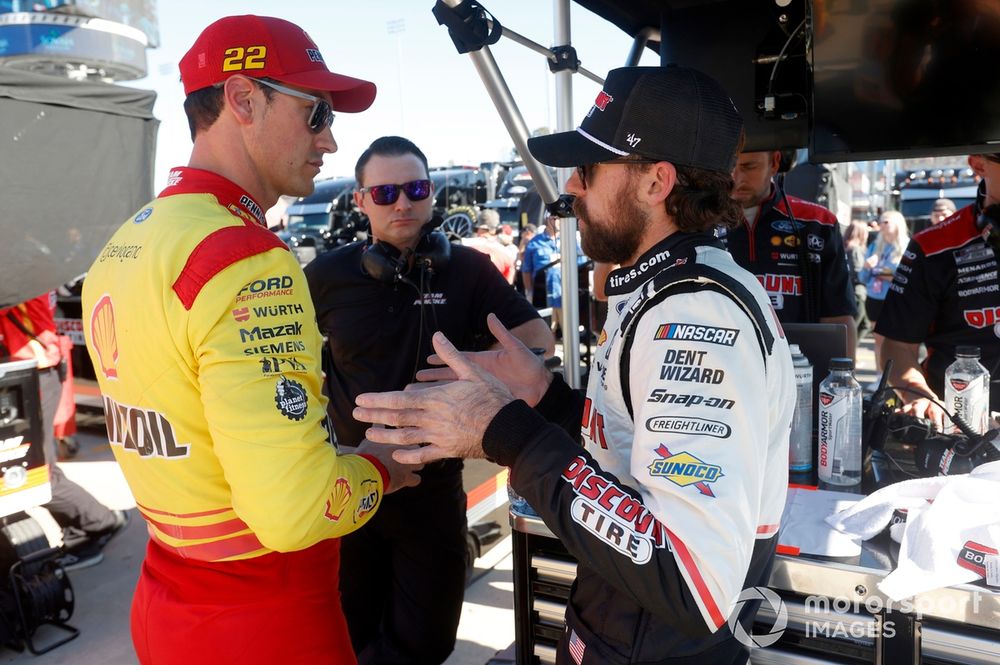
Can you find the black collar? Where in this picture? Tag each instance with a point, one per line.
(677, 246)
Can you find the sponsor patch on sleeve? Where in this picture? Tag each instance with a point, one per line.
(684, 469)
(290, 398)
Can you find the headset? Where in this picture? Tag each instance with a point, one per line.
(388, 265)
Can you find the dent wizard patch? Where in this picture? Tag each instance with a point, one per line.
(685, 469)
(290, 398)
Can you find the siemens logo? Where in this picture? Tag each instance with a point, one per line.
(697, 333)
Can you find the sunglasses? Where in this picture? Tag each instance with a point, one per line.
(321, 116)
(383, 195)
(583, 171)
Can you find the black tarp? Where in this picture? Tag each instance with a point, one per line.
(76, 158)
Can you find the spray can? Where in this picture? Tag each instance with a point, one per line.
(800, 445)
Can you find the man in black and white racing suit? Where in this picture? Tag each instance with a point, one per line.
(672, 505)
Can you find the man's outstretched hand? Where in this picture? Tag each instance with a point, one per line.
(513, 363)
(449, 418)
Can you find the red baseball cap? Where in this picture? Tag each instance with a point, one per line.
(267, 47)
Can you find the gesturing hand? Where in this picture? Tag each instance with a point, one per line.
(513, 363)
(449, 418)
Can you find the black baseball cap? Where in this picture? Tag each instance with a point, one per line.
(674, 114)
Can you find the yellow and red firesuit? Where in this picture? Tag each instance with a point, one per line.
(203, 337)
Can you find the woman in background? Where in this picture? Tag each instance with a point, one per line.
(880, 266)
(856, 248)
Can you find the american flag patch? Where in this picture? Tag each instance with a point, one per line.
(576, 647)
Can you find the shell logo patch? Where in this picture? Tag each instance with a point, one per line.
(338, 500)
(685, 469)
(104, 336)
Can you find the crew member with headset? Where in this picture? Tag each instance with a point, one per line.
(379, 302)
(794, 248)
(945, 294)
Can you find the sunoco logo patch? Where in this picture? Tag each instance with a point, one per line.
(290, 398)
(685, 469)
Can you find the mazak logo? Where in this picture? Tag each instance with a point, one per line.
(697, 333)
(685, 469)
(602, 101)
(258, 333)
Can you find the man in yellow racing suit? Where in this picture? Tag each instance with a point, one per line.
(204, 339)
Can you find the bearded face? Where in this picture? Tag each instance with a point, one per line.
(612, 235)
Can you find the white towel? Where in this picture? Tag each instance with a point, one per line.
(944, 543)
(868, 517)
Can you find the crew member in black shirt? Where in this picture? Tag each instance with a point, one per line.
(945, 294)
(403, 575)
(801, 263)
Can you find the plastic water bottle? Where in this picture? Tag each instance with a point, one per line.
(800, 447)
(840, 427)
(967, 390)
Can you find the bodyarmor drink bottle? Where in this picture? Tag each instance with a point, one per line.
(967, 390)
(800, 446)
(840, 427)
